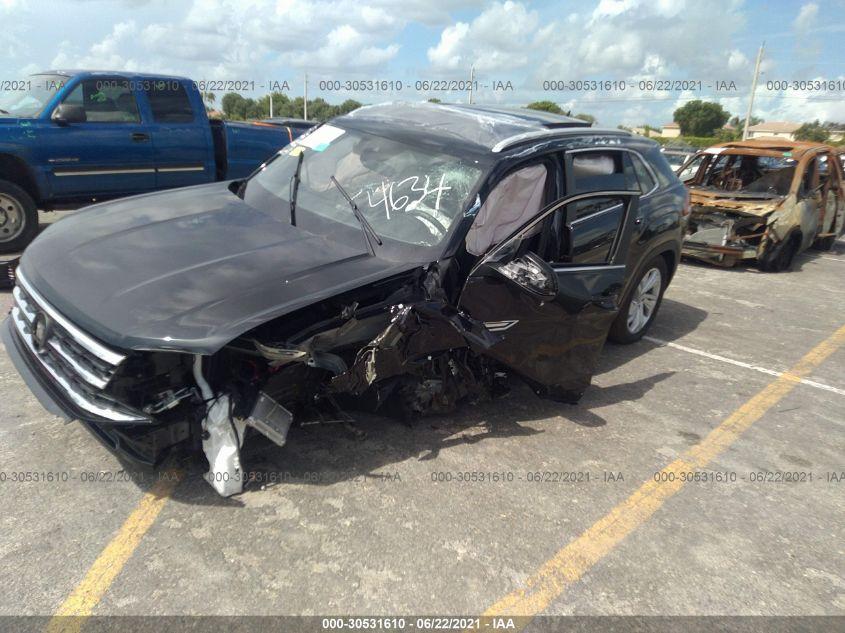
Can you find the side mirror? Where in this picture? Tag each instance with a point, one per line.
(67, 113)
(530, 272)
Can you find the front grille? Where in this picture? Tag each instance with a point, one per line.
(79, 364)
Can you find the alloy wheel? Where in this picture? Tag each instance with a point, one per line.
(644, 301)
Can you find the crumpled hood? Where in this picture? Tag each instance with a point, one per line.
(732, 201)
(189, 269)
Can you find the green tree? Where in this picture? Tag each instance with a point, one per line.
(545, 106)
(209, 98)
(434, 100)
(347, 106)
(814, 131)
(740, 123)
(234, 106)
(589, 118)
(700, 118)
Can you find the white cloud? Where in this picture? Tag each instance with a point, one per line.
(447, 53)
(345, 47)
(498, 39)
(807, 46)
(106, 54)
(12, 5)
(806, 17)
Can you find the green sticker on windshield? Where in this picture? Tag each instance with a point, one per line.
(787, 154)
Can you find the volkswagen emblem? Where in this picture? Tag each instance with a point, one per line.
(40, 331)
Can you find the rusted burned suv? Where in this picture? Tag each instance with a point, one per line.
(765, 200)
(401, 258)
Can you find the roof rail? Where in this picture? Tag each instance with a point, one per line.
(552, 132)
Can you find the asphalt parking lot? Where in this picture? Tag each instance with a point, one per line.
(562, 516)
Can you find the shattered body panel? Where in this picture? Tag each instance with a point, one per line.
(762, 200)
(359, 269)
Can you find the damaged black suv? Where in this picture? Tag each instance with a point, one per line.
(402, 258)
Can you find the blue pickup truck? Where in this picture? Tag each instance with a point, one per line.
(72, 137)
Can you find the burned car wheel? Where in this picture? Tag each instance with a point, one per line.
(779, 257)
(637, 312)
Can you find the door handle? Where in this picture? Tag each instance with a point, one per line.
(140, 136)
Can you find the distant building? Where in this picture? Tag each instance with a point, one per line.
(836, 136)
(646, 131)
(776, 129)
(671, 130)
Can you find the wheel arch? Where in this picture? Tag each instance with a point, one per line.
(15, 170)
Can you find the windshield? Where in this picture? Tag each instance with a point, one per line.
(27, 98)
(764, 176)
(405, 192)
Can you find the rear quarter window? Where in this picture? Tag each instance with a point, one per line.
(169, 102)
(665, 175)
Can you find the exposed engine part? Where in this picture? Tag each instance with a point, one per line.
(168, 399)
(222, 438)
(278, 356)
(270, 419)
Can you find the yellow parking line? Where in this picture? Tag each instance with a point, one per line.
(79, 605)
(569, 564)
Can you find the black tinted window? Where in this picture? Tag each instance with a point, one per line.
(169, 103)
(589, 236)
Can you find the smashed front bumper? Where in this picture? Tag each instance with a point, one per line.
(724, 238)
(135, 442)
(67, 371)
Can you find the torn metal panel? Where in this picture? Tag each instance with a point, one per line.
(222, 438)
(415, 331)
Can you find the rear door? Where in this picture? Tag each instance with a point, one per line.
(182, 145)
(108, 154)
(552, 289)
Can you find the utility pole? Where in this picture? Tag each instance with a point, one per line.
(471, 81)
(271, 105)
(305, 100)
(753, 90)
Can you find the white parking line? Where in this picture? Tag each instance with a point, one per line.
(835, 259)
(739, 363)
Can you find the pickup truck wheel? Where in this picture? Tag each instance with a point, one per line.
(18, 218)
(637, 312)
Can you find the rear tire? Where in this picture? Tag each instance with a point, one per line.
(824, 243)
(18, 218)
(639, 309)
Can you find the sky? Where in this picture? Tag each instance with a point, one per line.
(520, 51)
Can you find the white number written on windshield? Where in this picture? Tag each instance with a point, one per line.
(406, 193)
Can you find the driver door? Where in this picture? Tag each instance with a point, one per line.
(553, 293)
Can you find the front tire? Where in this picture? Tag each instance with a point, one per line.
(638, 311)
(18, 218)
(778, 258)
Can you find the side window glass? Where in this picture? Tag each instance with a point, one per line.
(512, 203)
(105, 101)
(601, 171)
(169, 102)
(644, 178)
